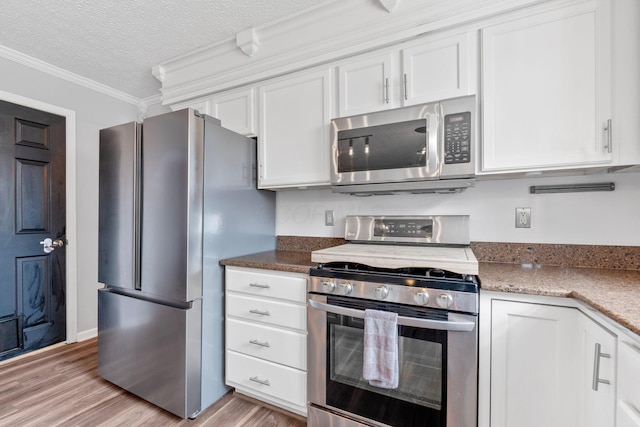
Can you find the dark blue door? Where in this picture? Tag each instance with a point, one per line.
(32, 200)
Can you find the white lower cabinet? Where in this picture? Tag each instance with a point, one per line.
(532, 368)
(628, 400)
(266, 336)
(543, 364)
(597, 393)
(250, 374)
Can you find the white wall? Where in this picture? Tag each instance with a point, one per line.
(94, 111)
(601, 218)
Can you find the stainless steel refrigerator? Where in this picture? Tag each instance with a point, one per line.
(177, 194)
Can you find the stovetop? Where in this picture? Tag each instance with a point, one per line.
(456, 259)
(413, 260)
(416, 277)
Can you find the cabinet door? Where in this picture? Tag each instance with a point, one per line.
(368, 84)
(596, 406)
(533, 371)
(440, 69)
(293, 139)
(546, 90)
(628, 408)
(236, 110)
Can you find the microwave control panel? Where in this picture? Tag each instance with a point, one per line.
(457, 138)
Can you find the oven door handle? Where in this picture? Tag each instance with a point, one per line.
(441, 325)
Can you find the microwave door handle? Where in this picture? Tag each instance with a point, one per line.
(441, 325)
(434, 140)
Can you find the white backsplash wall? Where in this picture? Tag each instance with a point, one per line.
(598, 218)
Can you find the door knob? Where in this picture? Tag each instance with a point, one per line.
(50, 245)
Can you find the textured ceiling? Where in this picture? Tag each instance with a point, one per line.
(116, 42)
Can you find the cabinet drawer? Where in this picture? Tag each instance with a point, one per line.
(629, 374)
(265, 377)
(287, 286)
(269, 343)
(267, 311)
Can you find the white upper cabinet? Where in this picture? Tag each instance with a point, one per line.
(293, 136)
(236, 110)
(546, 82)
(440, 68)
(364, 85)
(422, 71)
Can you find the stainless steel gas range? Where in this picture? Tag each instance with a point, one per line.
(422, 269)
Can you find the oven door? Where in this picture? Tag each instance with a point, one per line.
(437, 355)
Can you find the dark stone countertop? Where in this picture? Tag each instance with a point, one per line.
(291, 261)
(614, 292)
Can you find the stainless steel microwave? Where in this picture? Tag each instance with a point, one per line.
(420, 149)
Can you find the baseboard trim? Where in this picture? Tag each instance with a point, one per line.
(88, 334)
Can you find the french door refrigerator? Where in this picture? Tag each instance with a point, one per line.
(177, 194)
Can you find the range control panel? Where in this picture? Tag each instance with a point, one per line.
(417, 229)
(457, 138)
(403, 228)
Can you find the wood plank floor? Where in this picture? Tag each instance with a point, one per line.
(61, 387)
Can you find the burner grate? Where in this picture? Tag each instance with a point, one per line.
(409, 276)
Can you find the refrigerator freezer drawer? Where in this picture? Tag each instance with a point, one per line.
(151, 350)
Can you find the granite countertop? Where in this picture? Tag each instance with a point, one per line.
(614, 292)
(291, 261)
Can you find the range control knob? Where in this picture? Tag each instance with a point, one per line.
(444, 300)
(381, 292)
(345, 288)
(328, 286)
(421, 297)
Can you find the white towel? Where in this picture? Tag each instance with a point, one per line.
(380, 364)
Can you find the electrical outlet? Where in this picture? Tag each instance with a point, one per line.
(328, 218)
(523, 217)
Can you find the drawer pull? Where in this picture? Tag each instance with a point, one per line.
(258, 285)
(596, 368)
(260, 312)
(259, 381)
(261, 344)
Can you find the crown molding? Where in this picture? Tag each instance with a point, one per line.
(319, 36)
(52, 70)
(151, 100)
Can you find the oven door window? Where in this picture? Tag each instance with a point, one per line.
(420, 398)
